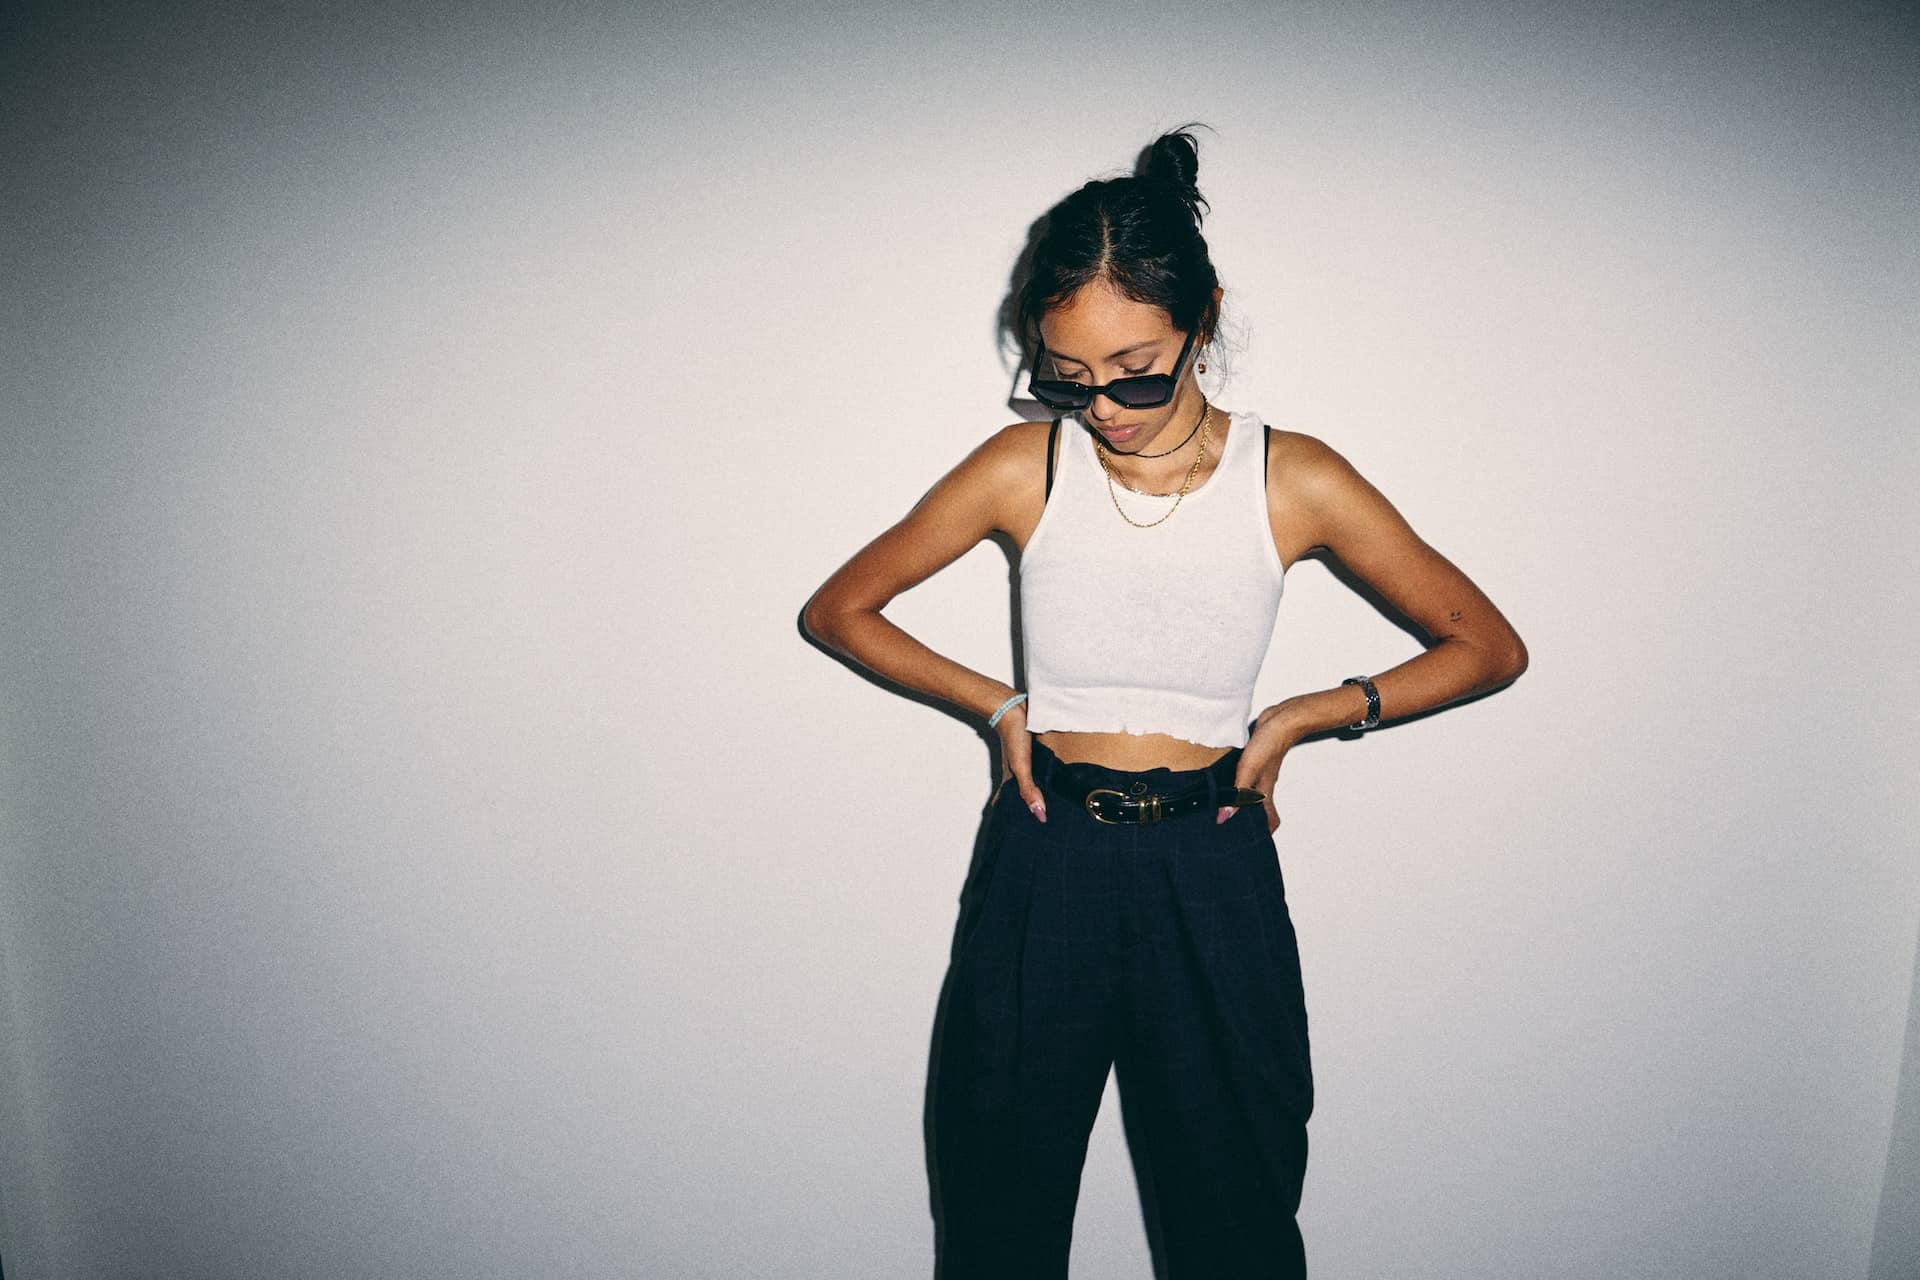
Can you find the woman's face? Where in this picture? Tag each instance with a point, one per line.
(1098, 335)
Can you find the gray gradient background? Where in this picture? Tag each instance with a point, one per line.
(427, 847)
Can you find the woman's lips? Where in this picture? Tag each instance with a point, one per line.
(1119, 435)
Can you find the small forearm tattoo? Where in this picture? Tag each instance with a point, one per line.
(1455, 616)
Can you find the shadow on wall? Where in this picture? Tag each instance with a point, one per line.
(1896, 1236)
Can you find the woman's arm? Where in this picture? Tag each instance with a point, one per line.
(1000, 486)
(1321, 501)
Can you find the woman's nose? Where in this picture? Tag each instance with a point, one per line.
(1102, 409)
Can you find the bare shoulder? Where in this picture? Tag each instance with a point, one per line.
(1315, 498)
(1000, 484)
(1012, 453)
(1305, 469)
(999, 461)
(1014, 462)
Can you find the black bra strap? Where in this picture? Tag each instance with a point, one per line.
(1266, 452)
(1053, 435)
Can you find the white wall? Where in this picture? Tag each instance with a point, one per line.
(428, 847)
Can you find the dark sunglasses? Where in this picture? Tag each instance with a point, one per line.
(1143, 391)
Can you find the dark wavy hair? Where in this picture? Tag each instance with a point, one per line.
(1141, 234)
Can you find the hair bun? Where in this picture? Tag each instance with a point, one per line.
(1173, 159)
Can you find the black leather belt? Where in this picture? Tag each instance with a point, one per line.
(1138, 804)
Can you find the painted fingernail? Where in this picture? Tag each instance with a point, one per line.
(1222, 816)
(1039, 810)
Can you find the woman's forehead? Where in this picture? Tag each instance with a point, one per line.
(1098, 322)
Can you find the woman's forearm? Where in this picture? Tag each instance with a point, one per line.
(1452, 669)
(868, 638)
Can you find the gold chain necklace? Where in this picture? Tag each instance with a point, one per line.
(1100, 451)
(1206, 416)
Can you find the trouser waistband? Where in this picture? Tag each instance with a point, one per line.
(1112, 795)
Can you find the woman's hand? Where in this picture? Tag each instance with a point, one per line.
(1016, 758)
(1273, 736)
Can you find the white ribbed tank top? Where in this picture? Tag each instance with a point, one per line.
(1157, 630)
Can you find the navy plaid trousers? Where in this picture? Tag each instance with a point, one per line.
(1165, 952)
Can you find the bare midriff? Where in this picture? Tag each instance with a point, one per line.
(1133, 752)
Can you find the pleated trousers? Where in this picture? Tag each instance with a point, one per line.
(1164, 952)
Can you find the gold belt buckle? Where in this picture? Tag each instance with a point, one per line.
(1149, 806)
(1095, 813)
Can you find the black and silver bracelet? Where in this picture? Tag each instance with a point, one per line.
(1373, 702)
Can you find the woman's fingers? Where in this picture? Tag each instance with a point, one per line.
(1017, 751)
(1259, 775)
(1023, 778)
(1268, 784)
(1245, 774)
(1035, 801)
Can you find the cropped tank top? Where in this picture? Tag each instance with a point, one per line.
(1158, 630)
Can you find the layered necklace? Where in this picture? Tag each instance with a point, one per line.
(1206, 435)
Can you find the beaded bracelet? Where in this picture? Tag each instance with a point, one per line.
(993, 721)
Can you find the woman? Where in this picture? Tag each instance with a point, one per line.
(1127, 909)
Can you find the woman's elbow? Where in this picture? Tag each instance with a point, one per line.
(1512, 660)
(829, 618)
(817, 619)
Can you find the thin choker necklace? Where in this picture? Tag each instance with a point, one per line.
(1100, 451)
(1177, 448)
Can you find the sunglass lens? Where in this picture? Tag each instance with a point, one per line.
(1141, 393)
(1061, 395)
